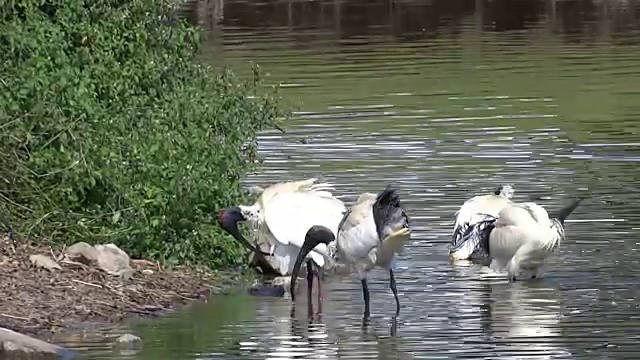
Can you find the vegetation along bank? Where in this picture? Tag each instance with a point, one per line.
(112, 132)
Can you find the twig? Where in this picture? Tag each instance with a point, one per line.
(87, 283)
(105, 303)
(64, 247)
(182, 296)
(99, 313)
(69, 262)
(14, 317)
(15, 203)
(141, 312)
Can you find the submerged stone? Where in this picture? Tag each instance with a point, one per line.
(267, 290)
(129, 341)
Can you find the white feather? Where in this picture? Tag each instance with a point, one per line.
(256, 217)
(289, 216)
(358, 238)
(358, 242)
(358, 245)
(278, 220)
(286, 255)
(470, 213)
(255, 213)
(522, 239)
(483, 204)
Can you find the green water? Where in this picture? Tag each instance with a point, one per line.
(443, 99)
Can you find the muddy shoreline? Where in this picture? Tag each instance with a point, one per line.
(43, 302)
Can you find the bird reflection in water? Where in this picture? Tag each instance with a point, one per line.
(329, 339)
(524, 319)
(512, 320)
(317, 315)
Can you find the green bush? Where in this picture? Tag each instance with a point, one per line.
(110, 131)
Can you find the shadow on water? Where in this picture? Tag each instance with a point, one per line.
(444, 99)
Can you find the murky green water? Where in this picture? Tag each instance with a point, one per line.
(444, 99)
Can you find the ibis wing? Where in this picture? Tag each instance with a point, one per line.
(290, 215)
(308, 185)
(473, 210)
(358, 235)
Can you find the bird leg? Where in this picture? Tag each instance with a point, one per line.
(317, 273)
(319, 293)
(365, 292)
(394, 290)
(310, 276)
(393, 330)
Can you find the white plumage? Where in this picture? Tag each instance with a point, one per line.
(370, 235)
(283, 212)
(359, 244)
(473, 211)
(289, 216)
(255, 214)
(521, 237)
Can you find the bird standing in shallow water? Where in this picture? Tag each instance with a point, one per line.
(282, 215)
(470, 213)
(370, 235)
(521, 237)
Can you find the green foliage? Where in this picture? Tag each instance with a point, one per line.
(111, 131)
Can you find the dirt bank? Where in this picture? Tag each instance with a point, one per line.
(39, 301)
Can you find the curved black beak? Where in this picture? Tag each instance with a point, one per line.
(228, 220)
(316, 235)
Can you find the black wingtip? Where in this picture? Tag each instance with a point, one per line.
(476, 238)
(564, 213)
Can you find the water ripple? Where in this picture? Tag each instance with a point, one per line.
(445, 103)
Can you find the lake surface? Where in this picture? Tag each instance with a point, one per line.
(444, 99)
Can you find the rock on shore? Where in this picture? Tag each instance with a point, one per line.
(14, 345)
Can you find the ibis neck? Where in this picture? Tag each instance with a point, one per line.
(241, 239)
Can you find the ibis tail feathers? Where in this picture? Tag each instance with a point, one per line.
(396, 241)
(564, 213)
(391, 220)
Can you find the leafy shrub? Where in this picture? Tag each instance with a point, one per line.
(110, 131)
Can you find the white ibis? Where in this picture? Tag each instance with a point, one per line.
(282, 215)
(369, 235)
(472, 211)
(521, 237)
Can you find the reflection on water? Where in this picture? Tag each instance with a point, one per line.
(443, 99)
(525, 320)
(324, 337)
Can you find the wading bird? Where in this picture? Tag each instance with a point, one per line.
(521, 237)
(370, 234)
(282, 215)
(470, 213)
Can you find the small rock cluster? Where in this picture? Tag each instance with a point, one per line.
(108, 257)
(47, 291)
(15, 345)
